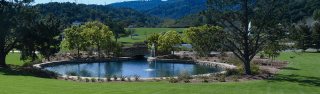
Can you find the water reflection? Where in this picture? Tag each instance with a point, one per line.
(141, 67)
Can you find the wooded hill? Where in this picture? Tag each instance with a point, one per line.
(141, 4)
(71, 12)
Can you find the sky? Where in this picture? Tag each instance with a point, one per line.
(102, 2)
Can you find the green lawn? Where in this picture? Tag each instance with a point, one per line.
(142, 36)
(301, 76)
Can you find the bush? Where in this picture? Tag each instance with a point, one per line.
(241, 70)
(30, 63)
(87, 80)
(261, 55)
(140, 43)
(122, 78)
(161, 78)
(72, 78)
(186, 80)
(115, 77)
(66, 78)
(129, 78)
(136, 77)
(205, 80)
(79, 78)
(183, 48)
(222, 79)
(108, 77)
(173, 80)
(99, 79)
(93, 79)
(183, 75)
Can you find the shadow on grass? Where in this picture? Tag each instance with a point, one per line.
(28, 72)
(302, 80)
(288, 68)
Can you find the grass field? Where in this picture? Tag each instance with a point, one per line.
(142, 36)
(300, 76)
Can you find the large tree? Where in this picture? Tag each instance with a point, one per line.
(235, 16)
(75, 38)
(97, 33)
(316, 35)
(304, 37)
(169, 41)
(204, 39)
(116, 29)
(20, 29)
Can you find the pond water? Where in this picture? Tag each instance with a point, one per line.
(128, 68)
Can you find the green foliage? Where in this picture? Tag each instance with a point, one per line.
(87, 79)
(71, 12)
(204, 39)
(173, 80)
(183, 75)
(136, 77)
(108, 77)
(168, 41)
(93, 79)
(153, 39)
(316, 14)
(75, 38)
(140, 43)
(115, 77)
(79, 78)
(97, 34)
(31, 63)
(316, 35)
(122, 78)
(205, 80)
(254, 69)
(304, 37)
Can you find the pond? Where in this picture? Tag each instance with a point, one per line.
(129, 68)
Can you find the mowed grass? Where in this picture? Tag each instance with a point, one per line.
(142, 36)
(300, 76)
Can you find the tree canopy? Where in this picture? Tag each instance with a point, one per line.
(169, 41)
(21, 29)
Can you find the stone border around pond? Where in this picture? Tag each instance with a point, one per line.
(150, 59)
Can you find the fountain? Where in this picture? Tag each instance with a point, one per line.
(152, 54)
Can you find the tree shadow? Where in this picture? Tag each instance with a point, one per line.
(288, 68)
(28, 72)
(302, 80)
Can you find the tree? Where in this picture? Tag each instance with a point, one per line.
(316, 35)
(273, 49)
(169, 41)
(153, 39)
(204, 39)
(20, 29)
(97, 33)
(116, 29)
(304, 39)
(130, 32)
(235, 20)
(75, 38)
(316, 14)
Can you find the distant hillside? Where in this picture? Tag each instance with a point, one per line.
(177, 9)
(70, 12)
(141, 4)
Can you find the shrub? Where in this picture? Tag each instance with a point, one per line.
(93, 79)
(99, 79)
(186, 80)
(158, 80)
(205, 80)
(129, 78)
(214, 60)
(183, 48)
(122, 78)
(183, 75)
(140, 43)
(235, 79)
(136, 77)
(79, 78)
(66, 78)
(254, 69)
(72, 78)
(167, 78)
(87, 80)
(161, 78)
(261, 55)
(173, 80)
(115, 77)
(30, 63)
(108, 77)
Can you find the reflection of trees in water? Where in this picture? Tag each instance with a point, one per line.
(161, 69)
(112, 68)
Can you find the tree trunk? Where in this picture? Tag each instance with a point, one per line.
(247, 67)
(98, 50)
(117, 39)
(3, 60)
(78, 51)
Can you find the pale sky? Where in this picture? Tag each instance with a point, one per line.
(102, 2)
